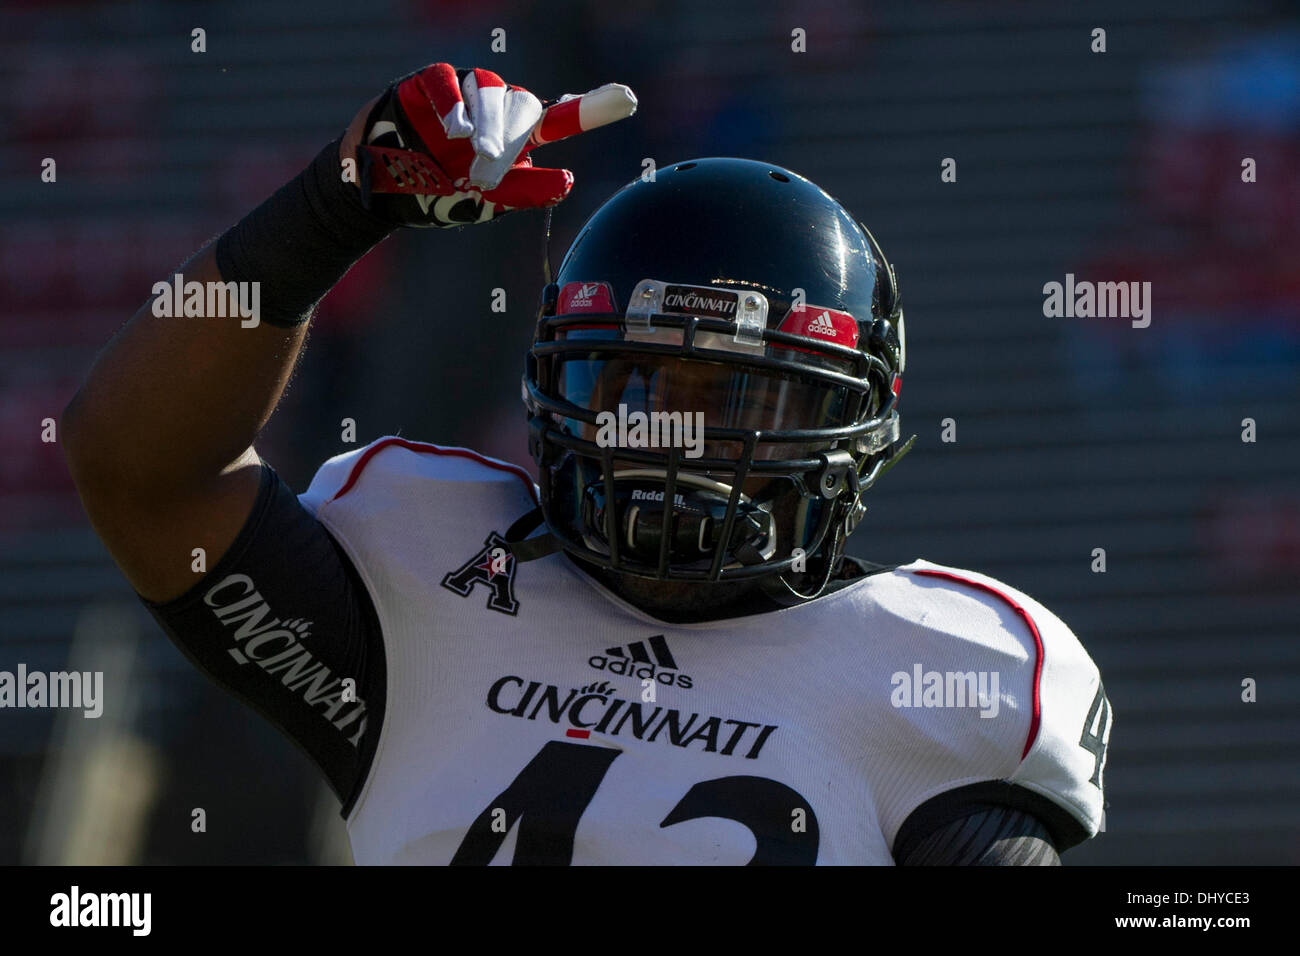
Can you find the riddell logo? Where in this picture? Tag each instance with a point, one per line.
(639, 494)
(634, 661)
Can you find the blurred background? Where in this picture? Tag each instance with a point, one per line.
(1072, 433)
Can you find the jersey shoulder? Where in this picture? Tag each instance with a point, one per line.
(1036, 734)
(398, 508)
(393, 464)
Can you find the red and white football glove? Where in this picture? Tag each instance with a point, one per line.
(444, 147)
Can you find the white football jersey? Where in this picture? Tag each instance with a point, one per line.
(534, 717)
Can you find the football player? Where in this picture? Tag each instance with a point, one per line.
(660, 653)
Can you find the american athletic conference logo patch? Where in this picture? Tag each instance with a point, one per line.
(493, 566)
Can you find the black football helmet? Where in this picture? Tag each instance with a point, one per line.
(737, 295)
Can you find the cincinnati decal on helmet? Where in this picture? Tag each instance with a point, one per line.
(704, 301)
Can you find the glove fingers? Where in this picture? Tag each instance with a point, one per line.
(575, 114)
(529, 187)
(485, 95)
(442, 87)
(521, 111)
(431, 102)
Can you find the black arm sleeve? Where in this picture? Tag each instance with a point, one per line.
(992, 823)
(988, 836)
(285, 624)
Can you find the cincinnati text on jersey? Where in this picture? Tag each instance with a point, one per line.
(595, 710)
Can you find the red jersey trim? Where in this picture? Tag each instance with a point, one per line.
(1036, 718)
(426, 448)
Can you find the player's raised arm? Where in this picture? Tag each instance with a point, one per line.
(159, 437)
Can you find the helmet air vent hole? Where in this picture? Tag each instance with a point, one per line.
(678, 169)
(779, 177)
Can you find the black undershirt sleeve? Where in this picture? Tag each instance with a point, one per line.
(284, 622)
(988, 836)
(992, 823)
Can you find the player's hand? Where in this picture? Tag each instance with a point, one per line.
(446, 147)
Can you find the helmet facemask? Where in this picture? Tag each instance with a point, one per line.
(632, 483)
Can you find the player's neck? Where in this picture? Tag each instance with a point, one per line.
(683, 602)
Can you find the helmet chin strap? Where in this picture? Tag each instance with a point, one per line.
(525, 548)
(783, 592)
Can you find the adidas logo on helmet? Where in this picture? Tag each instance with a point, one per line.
(822, 325)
